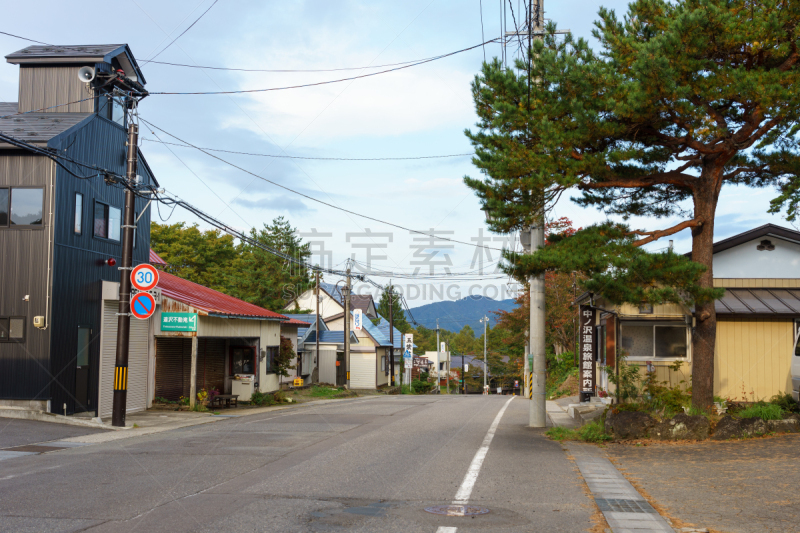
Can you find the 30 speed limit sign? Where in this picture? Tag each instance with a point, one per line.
(144, 277)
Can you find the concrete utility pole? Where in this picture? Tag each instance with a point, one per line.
(123, 315)
(538, 407)
(391, 331)
(346, 291)
(438, 357)
(485, 321)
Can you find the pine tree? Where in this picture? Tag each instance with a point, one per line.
(684, 97)
(398, 314)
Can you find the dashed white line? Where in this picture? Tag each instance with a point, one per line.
(443, 529)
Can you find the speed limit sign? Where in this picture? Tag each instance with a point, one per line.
(144, 277)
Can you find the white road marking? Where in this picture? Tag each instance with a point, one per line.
(443, 529)
(464, 491)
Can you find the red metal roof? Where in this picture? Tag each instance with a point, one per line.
(155, 259)
(209, 300)
(295, 322)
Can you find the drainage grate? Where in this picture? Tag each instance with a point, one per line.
(457, 510)
(624, 506)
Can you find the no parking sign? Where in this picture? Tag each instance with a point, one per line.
(143, 305)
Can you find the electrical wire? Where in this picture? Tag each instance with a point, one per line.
(315, 84)
(25, 38)
(183, 32)
(322, 202)
(46, 108)
(410, 158)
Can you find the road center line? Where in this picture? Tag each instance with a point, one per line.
(464, 491)
(444, 529)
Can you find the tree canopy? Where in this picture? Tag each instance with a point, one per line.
(683, 97)
(398, 314)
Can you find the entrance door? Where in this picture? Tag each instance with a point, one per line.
(341, 370)
(82, 369)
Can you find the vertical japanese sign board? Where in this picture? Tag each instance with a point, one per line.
(588, 333)
(358, 320)
(408, 350)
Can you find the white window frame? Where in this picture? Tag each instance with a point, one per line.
(653, 324)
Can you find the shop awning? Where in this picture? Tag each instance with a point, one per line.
(759, 302)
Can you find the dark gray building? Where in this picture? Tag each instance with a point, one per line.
(60, 221)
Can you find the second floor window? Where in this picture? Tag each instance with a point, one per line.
(107, 221)
(21, 206)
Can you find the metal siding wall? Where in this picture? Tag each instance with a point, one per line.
(744, 283)
(47, 86)
(78, 265)
(137, 363)
(211, 364)
(362, 370)
(327, 366)
(752, 359)
(25, 367)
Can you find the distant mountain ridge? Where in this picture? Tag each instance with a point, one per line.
(454, 315)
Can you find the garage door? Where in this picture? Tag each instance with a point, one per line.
(137, 362)
(174, 366)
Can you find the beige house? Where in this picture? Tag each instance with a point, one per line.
(757, 321)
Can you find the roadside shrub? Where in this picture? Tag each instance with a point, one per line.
(260, 398)
(279, 396)
(593, 432)
(786, 402)
(421, 387)
(762, 410)
(561, 434)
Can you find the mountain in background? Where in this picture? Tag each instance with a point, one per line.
(454, 315)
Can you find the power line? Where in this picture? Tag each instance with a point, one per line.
(181, 35)
(410, 158)
(25, 38)
(311, 197)
(244, 91)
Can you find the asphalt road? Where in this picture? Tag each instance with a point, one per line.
(363, 465)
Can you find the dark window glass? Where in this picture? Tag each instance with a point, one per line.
(78, 213)
(242, 360)
(100, 220)
(670, 341)
(26, 207)
(118, 111)
(16, 329)
(84, 334)
(3, 207)
(272, 355)
(3, 329)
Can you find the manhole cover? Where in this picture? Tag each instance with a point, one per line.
(457, 510)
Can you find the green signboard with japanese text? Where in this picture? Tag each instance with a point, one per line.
(178, 321)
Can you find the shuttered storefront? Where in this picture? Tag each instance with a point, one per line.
(137, 362)
(362, 370)
(174, 366)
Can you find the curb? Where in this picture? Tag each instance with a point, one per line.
(20, 413)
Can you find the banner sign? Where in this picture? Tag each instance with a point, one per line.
(408, 350)
(358, 320)
(588, 335)
(178, 321)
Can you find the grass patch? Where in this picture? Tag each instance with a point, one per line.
(764, 411)
(325, 392)
(591, 432)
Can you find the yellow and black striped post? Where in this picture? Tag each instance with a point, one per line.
(121, 378)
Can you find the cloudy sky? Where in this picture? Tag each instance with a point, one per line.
(419, 111)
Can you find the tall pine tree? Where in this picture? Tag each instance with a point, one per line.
(398, 314)
(684, 97)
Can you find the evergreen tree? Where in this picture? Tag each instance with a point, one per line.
(685, 96)
(398, 314)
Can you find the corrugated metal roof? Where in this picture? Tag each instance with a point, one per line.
(155, 259)
(209, 300)
(759, 302)
(383, 325)
(334, 291)
(36, 127)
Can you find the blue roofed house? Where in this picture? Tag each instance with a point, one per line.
(369, 356)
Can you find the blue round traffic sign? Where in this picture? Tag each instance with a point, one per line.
(143, 305)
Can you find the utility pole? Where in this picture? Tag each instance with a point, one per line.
(316, 336)
(438, 357)
(538, 374)
(123, 314)
(346, 295)
(447, 345)
(485, 321)
(391, 331)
